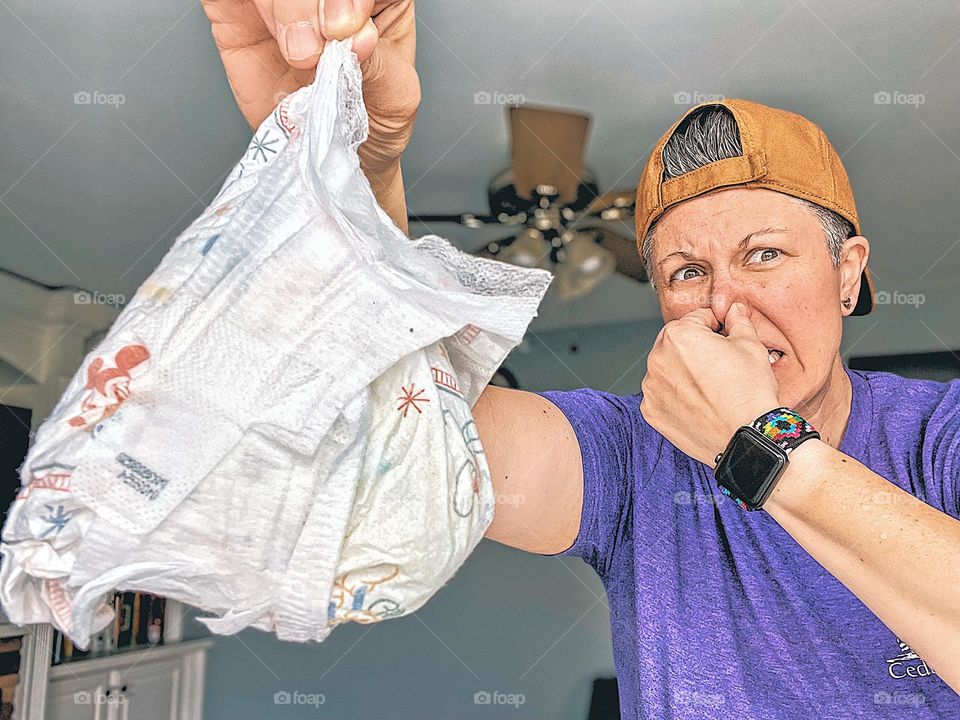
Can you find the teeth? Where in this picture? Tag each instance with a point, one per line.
(774, 355)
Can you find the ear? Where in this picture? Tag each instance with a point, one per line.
(856, 251)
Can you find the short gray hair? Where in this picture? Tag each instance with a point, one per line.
(711, 134)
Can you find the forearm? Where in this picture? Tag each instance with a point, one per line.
(900, 556)
(387, 185)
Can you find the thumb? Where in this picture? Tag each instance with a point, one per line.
(737, 322)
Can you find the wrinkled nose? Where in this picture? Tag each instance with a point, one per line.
(723, 294)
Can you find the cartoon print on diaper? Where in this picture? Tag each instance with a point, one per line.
(108, 387)
(467, 487)
(58, 519)
(257, 150)
(351, 590)
(410, 399)
(260, 146)
(468, 333)
(151, 290)
(209, 244)
(282, 117)
(47, 477)
(59, 601)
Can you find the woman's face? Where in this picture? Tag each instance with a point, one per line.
(763, 249)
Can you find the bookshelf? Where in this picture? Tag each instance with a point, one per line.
(139, 621)
(44, 335)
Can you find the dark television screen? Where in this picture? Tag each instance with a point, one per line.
(14, 441)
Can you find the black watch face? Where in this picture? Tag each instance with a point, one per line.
(749, 466)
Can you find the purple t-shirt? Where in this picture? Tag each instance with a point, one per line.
(719, 613)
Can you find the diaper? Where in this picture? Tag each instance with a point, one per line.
(277, 429)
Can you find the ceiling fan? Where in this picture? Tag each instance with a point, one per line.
(552, 204)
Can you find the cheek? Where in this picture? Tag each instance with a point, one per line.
(797, 300)
(799, 312)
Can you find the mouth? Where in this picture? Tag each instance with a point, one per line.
(774, 355)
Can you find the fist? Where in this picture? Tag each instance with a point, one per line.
(701, 386)
(270, 48)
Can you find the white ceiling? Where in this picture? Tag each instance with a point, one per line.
(94, 195)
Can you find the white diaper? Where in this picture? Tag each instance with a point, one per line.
(277, 428)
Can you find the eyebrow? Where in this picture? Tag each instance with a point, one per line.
(740, 245)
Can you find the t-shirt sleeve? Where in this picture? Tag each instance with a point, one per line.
(603, 425)
(942, 449)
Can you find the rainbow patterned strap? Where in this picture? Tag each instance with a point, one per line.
(785, 428)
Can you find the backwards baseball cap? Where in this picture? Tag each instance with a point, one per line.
(782, 151)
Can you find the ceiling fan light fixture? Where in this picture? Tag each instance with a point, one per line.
(529, 249)
(582, 265)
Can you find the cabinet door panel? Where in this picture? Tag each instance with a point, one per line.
(80, 698)
(152, 690)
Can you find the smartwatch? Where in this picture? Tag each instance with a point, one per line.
(756, 456)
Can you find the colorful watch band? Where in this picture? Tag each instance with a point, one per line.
(785, 428)
(738, 501)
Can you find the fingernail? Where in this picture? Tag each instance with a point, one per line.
(301, 39)
(338, 17)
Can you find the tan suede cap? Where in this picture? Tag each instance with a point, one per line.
(782, 151)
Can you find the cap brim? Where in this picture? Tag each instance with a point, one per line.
(865, 299)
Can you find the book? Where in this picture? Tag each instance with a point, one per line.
(10, 663)
(123, 622)
(150, 630)
(138, 622)
(137, 604)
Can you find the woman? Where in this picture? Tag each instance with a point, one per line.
(842, 599)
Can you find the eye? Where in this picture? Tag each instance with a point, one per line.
(763, 251)
(682, 273)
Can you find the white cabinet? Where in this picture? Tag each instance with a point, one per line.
(79, 698)
(150, 692)
(159, 683)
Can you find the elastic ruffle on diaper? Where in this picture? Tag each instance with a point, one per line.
(277, 427)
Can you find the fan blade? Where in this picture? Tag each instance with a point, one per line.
(468, 219)
(484, 251)
(624, 249)
(614, 205)
(547, 148)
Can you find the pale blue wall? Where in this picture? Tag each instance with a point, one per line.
(508, 621)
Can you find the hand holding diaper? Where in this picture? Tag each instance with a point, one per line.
(277, 429)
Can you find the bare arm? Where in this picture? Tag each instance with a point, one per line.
(900, 556)
(537, 472)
